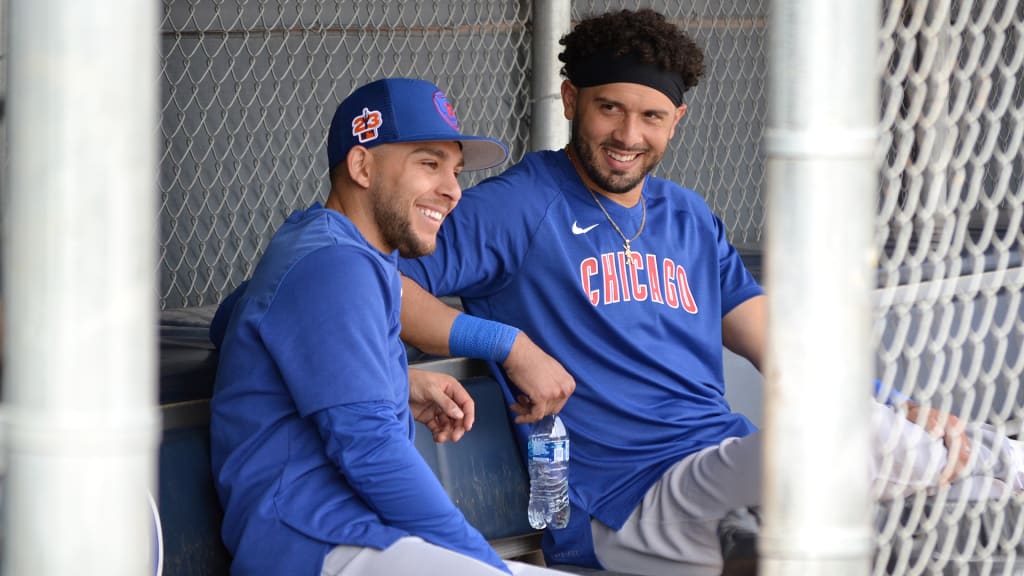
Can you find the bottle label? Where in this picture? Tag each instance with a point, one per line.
(542, 450)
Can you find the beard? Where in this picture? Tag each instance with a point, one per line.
(613, 181)
(395, 227)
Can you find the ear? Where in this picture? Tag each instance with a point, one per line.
(360, 166)
(680, 112)
(569, 95)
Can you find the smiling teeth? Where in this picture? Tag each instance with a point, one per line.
(432, 214)
(622, 157)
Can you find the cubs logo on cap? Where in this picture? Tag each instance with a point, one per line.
(395, 110)
(445, 108)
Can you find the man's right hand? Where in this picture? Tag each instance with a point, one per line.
(545, 384)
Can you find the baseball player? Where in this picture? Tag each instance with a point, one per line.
(312, 414)
(629, 281)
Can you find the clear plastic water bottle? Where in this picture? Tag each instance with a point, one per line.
(549, 473)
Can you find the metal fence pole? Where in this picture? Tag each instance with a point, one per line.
(551, 20)
(822, 185)
(81, 295)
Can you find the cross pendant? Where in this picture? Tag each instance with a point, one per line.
(629, 254)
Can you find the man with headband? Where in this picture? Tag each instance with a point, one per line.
(629, 281)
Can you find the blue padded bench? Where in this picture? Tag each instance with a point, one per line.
(189, 509)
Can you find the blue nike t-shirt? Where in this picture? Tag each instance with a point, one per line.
(642, 338)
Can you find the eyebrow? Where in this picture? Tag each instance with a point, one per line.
(661, 112)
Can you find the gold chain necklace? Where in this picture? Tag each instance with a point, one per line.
(626, 241)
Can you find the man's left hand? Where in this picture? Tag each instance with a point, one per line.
(441, 403)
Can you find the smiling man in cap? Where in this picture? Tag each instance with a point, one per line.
(312, 414)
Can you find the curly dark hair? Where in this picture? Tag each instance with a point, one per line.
(643, 33)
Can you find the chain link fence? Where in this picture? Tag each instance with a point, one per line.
(248, 89)
(248, 93)
(950, 325)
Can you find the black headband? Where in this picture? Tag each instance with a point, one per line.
(606, 68)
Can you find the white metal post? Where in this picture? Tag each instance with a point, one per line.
(80, 295)
(822, 189)
(549, 129)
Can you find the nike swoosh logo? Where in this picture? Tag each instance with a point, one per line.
(577, 230)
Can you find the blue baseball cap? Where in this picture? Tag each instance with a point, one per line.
(396, 110)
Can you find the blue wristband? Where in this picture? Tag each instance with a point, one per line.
(478, 338)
